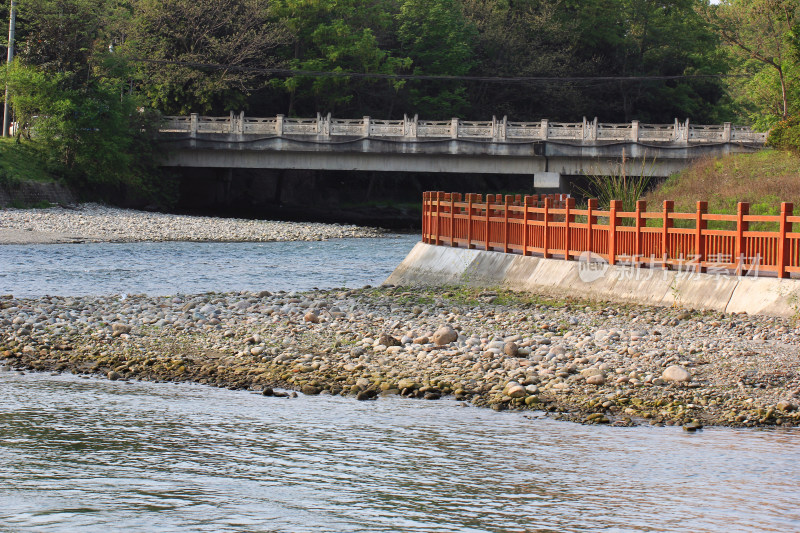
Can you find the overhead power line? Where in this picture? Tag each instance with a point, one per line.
(431, 77)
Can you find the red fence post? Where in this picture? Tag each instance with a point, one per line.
(783, 245)
(614, 206)
(590, 220)
(667, 223)
(454, 197)
(546, 244)
(468, 199)
(525, 225)
(505, 224)
(742, 209)
(700, 226)
(442, 216)
(568, 217)
(438, 216)
(488, 211)
(429, 219)
(424, 216)
(641, 207)
(448, 198)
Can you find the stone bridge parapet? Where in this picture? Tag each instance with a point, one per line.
(324, 127)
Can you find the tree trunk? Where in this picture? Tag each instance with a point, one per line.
(783, 94)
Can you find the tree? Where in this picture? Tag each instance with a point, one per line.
(519, 39)
(439, 41)
(85, 133)
(341, 36)
(201, 56)
(67, 91)
(759, 32)
(647, 39)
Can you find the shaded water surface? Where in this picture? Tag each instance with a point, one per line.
(95, 455)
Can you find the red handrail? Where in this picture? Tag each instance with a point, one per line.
(549, 225)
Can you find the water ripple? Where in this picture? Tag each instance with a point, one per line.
(190, 267)
(94, 454)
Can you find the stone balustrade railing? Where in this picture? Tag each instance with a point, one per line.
(326, 128)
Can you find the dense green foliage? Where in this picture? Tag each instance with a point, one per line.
(184, 56)
(761, 39)
(73, 100)
(785, 134)
(86, 68)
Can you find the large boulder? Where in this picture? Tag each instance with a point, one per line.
(118, 329)
(445, 335)
(676, 373)
(517, 391)
(310, 390)
(596, 379)
(388, 340)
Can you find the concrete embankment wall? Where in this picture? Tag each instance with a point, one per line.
(28, 193)
(442, 265)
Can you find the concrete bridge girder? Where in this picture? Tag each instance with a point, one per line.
(437, 155)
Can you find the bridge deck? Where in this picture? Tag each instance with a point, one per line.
(455, 146)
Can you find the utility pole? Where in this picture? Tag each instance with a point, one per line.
(11, 23)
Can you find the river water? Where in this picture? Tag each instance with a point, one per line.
(81, 454)
(91, 455)
(188, 267)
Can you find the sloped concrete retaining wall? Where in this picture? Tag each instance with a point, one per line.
(441, 265)
(28, 193)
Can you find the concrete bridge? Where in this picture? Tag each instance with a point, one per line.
(549, 151)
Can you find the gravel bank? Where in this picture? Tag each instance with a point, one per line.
(590, 363)
(95, 223)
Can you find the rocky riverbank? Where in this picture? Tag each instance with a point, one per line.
(95, 223)
(580, 361)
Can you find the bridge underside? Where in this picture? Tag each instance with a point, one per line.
(439, 156)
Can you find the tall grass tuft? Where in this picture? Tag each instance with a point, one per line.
(619, 185)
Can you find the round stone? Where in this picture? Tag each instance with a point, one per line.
(676, 373)
(445, 335)
(596, 379)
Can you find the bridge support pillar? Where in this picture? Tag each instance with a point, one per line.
(549, 182)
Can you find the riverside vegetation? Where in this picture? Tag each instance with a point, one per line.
(764, 179)
(92, 77)
(576, 360)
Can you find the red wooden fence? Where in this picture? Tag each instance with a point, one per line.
(550, 225)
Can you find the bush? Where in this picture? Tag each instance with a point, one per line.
(786, 135)
(93, 136)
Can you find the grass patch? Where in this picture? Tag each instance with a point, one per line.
(22, 162)
(764, 179)
(466, 296)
